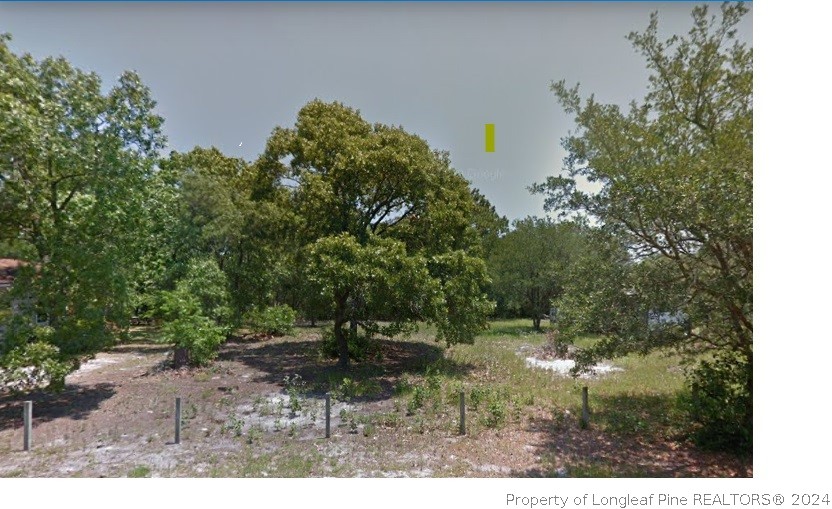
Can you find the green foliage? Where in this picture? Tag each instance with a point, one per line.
(349, 388)
(207, 205)
(74, 167)
(528, 265)
(209, 286)
(274, 320)
(33, 365)
(196, 313)
(190, 330)
(293, 386)
(417, 399)
(429, 391)
(477, 397)
(720, 404)
(381, 281)
(402, 387)
(674, 212)
(373, 206)
(495, 415)
(360, 345)
(465, 307)
(233, 425)
(492, 401)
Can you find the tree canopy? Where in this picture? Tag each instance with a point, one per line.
(675, 172)
(73, 166)
(377, 202)
(528, 265)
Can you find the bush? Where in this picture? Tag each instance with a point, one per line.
(33, 366)
(197, 334)
(496, 413)
(187, 328)
(720, 405)
(275, 320)
(417, 399)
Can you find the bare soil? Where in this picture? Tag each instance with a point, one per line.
(115, 418)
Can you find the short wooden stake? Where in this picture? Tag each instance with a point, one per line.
(177, 420)
(327, 415)
(585, 410)
(461, 412)
(27, 425)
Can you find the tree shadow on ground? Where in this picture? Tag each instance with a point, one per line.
(75, 402)
(628, 436)
(279, 358)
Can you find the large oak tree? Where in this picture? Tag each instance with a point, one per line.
(387, 227)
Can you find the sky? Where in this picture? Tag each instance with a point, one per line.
(227, 74)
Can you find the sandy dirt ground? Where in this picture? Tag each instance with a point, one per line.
(259, 411)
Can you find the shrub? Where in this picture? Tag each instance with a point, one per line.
(417, 399)
(276, 320)
(496, 413)
(719, 404)
(196, 314)
(478, 396)
(197, 334)
(29, 359)
(32, 366)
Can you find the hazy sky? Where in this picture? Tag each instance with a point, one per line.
(225, 74)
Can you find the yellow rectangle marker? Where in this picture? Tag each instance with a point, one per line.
(489, 137)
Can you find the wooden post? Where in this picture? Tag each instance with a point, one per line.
(585, 410)
(177, 420)
(461, 412)
(327, 415)
(27, 425)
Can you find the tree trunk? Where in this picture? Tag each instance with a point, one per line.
(749, 386)
(536, 323)
(343, 346)
(340, 337)
(181, 357)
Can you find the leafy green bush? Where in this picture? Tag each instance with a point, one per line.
(348, 388)
(494, 403)
(478, 396)
(276, 320)
(496, 413)
(197, 334)
(402, 387)
(187, 328)
(719, 404)
(209, 285)
(197, 317)
(33, 365)
(417, 399)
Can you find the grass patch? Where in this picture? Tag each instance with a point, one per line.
(139, 471)
(640, 400)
